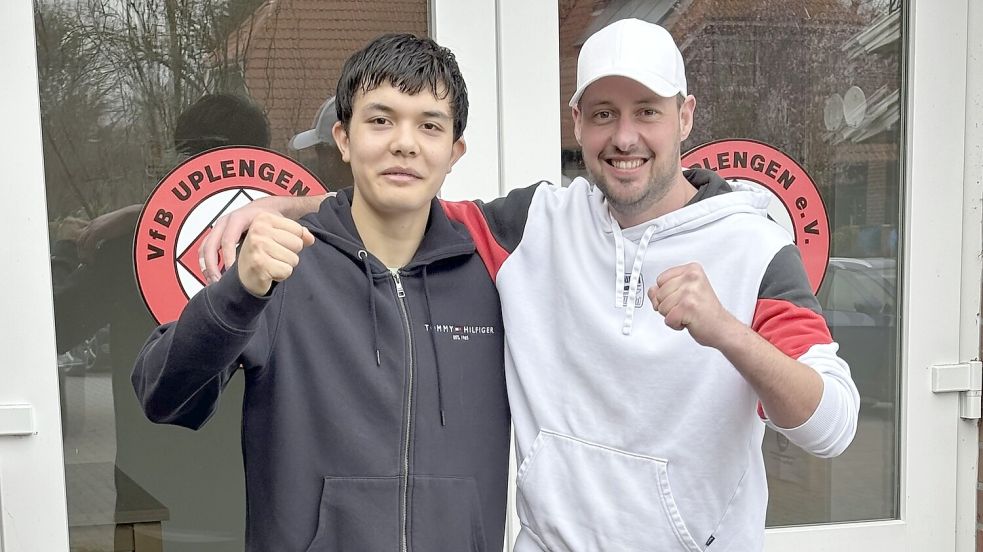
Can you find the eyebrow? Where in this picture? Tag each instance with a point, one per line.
(436, 115)
(379, 107)
(430, 114)
(651, 100)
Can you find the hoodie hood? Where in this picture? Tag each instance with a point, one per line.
(715, 199)
(333, 224)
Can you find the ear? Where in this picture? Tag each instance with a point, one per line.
(577, 123)
(341, 140)
(686, 117)
(459, 148)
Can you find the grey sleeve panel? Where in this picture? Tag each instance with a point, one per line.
(506, 216)
(785, 279)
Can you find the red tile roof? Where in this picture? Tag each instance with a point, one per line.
(295, 50)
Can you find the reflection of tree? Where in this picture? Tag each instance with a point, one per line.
(113, 77)
(767, 69)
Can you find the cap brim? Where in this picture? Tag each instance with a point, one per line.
(304, 140)
(652, 82)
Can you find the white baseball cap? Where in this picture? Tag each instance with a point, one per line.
(635, 49)
(321, 133)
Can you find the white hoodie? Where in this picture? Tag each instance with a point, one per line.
(630, 435)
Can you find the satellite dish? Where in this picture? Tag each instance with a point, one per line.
(833, 112)
(854, 106)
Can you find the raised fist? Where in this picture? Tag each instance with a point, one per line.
(270, 252)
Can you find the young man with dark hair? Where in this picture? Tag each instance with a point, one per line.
(375, 415)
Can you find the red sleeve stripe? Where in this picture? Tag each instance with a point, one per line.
(790, 328)
(469, 214)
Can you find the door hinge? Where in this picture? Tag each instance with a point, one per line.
(16, 419)
(965, 378)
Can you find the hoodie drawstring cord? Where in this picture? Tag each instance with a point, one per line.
(619, 262)
(363, 256)
(636, 272)
(433, 343)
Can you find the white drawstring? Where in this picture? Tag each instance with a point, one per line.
(636, 272)
(619, 262)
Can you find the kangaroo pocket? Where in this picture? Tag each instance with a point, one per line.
(577, 495)
(363, 513)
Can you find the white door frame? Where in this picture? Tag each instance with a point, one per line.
(33, 513)
(468, 28)
(941, 264)
(972, 270)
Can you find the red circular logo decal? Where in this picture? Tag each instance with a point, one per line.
(182, 209)
(796, 206)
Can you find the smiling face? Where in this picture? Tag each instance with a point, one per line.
(630, 138)
(400, 148)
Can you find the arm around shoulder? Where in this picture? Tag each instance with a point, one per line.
(220, 244)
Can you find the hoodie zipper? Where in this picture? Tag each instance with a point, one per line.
(404, 494)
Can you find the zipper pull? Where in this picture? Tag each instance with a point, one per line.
(399, 284)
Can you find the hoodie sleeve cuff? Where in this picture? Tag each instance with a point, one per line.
(833, 425)
(231, 303)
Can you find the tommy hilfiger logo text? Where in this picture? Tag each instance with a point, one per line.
(460, 333)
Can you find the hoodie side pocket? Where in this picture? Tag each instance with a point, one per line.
(358, 513)
(577, 495)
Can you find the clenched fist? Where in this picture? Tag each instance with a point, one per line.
(684, 296)
(270, 252)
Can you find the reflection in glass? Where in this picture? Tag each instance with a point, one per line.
(128, 90)
(822, 84)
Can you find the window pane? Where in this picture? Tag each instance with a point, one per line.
(820, 82)
(128, 89)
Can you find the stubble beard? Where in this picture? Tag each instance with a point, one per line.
(658, 185)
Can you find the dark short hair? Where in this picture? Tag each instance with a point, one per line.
(408, 63)
(221, 120)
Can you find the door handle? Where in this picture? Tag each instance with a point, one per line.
(965, 378)
(16, 419)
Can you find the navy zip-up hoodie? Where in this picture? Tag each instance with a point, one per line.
(375, 416)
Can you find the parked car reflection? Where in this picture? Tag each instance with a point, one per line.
(859, 301)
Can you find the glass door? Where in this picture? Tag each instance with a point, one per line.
(836, 108)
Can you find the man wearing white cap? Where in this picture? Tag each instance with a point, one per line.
(638, 425)
(316, 149)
